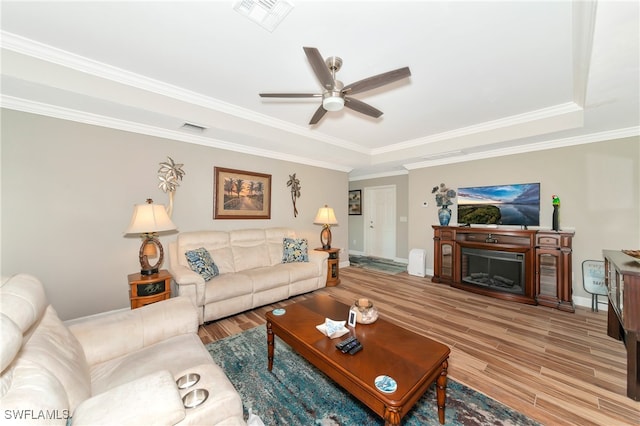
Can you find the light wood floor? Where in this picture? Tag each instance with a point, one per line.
(556, 367)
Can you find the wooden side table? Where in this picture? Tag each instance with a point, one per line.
(333, 266)
(146, 289)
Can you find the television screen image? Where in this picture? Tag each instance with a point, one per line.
(517, 204)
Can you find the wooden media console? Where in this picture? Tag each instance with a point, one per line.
(526, 266)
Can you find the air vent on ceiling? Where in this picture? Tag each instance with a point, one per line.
(266, 13)
(194, 127)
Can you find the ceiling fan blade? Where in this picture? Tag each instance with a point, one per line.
(319, 67)
(360, 106)
(290, 95)
(376, 81)
(320, 112)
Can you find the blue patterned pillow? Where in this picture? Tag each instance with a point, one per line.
(200, 261)
(295, 250)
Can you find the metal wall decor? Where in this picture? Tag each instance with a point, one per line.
(294, 183)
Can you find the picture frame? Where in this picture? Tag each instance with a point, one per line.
(351, 322)
(355, 202)
(251, 200)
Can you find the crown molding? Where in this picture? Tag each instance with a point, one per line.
(39, 108)
(47, 53)
(539, 146)
(378, 175)
(514, 120)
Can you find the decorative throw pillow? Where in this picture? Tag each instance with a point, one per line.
(200, 261)
(295, 250)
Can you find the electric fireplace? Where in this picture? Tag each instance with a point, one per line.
(495, 270)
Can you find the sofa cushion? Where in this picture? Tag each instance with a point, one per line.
(295, 250)
(23, 300)
(11, 341)
(227, 286)
(249, 249)
(174, 354)
(153, 400)
(200, 261)
(216, 242)
(299, 271)
(274, 237)
(55, 349)
(26, 385)
(268, 277)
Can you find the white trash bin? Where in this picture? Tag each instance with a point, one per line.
(417, 262)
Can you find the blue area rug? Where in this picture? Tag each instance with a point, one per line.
(296, 393)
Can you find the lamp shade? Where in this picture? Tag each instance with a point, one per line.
(148, 218)
(325, 216)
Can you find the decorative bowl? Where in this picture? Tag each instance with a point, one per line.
(366, 313)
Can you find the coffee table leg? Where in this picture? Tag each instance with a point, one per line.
(392, 416)
(269, 345)
(441, 391)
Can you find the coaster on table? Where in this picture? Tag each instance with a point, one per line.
(279, 311)
(386, 384)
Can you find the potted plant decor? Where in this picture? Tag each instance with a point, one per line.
(444, 196)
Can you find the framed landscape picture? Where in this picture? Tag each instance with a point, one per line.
(239, 194)
(355, 202)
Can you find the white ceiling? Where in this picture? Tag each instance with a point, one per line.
(488, 77)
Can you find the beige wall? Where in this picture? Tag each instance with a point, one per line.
(356, 222)
(68, 191)
(598, 185)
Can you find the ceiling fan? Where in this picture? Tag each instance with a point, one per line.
(336, 95)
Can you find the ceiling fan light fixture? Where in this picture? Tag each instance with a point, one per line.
(333, 103)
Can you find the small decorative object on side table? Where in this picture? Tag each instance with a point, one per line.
(333, 270)
(146, 289)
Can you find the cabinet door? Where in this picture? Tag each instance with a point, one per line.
(547, 266)
(446, 259)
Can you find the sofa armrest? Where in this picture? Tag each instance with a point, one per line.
(149, 400)
(189, 284)
(112, 335)
(320, 259)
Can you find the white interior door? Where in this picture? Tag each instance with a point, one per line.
(380, 221)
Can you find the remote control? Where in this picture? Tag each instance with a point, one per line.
(356, 348)
(345, 342)
(350, 346)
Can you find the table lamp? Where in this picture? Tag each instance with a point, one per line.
(325, 217)
(147, 220)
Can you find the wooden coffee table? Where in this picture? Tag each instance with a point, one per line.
(414, 361)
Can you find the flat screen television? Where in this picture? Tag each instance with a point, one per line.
(517, 204)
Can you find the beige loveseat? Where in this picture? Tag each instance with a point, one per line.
(251, 270)
(118, 368)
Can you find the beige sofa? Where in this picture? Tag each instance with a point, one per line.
(118, 368)
(251, 268)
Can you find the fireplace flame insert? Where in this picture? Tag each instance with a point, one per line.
(496, 270)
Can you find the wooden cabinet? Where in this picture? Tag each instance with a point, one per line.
(545, 256)
(443, 255)
(622, 277)
(333, 266)
(146, 289)
(554, 270)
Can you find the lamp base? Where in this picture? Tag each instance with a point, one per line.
(325, 237)
(149, 271)
(145, 267)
